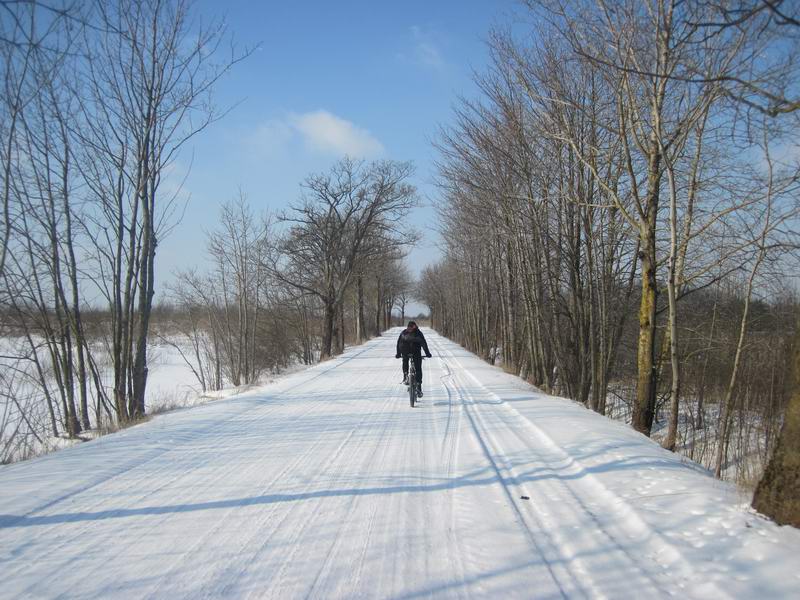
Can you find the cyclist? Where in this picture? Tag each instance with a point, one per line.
(412, 342)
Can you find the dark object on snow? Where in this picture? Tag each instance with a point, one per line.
(410, 343)
(525, 497)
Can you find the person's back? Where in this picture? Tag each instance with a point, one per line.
(410, 344)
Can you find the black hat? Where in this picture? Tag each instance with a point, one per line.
(410, 323)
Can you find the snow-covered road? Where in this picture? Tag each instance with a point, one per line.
(327, 484)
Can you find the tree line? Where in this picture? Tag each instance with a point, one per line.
(99, 98)
(620, 217)
(298, 285)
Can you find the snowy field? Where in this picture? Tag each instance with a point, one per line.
(171, 384)
(327, 484)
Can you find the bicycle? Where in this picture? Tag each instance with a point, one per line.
(412, 381)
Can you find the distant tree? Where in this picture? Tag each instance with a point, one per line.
(239, 323)
(405, 288)
(346, 219)
(238, 250)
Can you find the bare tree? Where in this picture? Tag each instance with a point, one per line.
(232, 315)
(39, 180)
(150, 75)
(33, 44)
(763, 82)
(239, 250)
(347, 218)
(604, 150)
(405, 285)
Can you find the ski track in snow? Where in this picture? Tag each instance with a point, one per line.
(327, 484)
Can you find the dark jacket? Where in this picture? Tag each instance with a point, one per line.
(411, 342)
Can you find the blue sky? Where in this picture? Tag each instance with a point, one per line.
(329, 78)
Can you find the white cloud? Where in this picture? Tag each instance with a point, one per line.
(271, 137)
(325, 132)
(426, 52)
(319, 131)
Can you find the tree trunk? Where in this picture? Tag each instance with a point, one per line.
(341, 338)
(147, 291)
(644, 408)
(672, 431)
(778, 492)
(360, 320)
(329, 318)
(378, 307)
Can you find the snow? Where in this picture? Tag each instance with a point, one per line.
(327, 484)
(171, 385)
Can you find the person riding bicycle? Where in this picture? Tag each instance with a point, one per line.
(410, 343)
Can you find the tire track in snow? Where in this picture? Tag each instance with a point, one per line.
(321, 582)
(222, 525)
(620, 527)
(548, 511)
(566, 574)
(334, 469)
(180, 460)
(84, 523)
(449, 447)
(184, 467)
(281, 513)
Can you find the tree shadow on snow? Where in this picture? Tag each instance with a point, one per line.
(486, 476)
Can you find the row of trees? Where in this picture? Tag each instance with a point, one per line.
(299, 285)
(347, 220)
(621, 210)
(98, 99)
